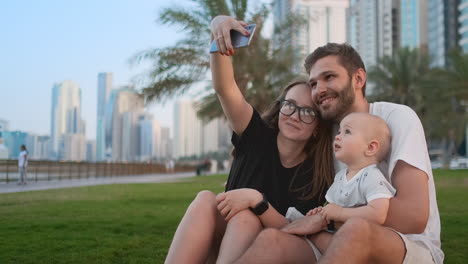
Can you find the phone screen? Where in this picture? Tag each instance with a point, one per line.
(237, 39)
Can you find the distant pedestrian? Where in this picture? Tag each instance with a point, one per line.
(23, 165)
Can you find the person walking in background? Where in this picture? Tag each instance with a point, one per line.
(23, 165)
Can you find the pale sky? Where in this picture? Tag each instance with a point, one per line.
(47, 41)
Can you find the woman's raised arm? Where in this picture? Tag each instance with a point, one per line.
(235, 107)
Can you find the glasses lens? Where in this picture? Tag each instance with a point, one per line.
(307, 115)
(287, 108)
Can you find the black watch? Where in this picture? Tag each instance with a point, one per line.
(331, 227)
(261, 207)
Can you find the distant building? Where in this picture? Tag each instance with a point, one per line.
(373, 28)
(67, 127)
(104, 86)
(4, 126)
(74, 147)
(122, 135)
(326, 22)
(150, 138)
(187, 129)
(463, 29)
(13, 141)
(4, 152)
(165, 150)
(414, 24)
(91, 150)
(443, 29)
(42, 149)
(194, 136)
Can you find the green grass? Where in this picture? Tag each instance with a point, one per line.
(134, 223)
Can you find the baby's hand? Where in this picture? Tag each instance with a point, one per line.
(314, 211)
(331, 212)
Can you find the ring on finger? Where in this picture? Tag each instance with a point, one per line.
(220, 36)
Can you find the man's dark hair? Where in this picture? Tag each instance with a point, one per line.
(348, 57)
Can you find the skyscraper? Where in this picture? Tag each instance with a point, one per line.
(187, 129)
(66, 120)
(194, 136)
(326, 22)
(91, 150)
(13, 141)
(414, 24)
(150, 137)
(463, 29)
(124, 107)
(443, 29)
(166, 144)
(373, 28)
(4, 126)
(104, 86)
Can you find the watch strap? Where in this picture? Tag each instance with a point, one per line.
(261, 207)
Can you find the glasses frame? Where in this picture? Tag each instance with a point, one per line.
(298, 109)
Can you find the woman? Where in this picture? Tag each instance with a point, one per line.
(23, 165)
(281, 160)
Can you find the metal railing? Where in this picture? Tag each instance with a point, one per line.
(40, 170)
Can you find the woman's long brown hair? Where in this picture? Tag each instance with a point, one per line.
(318, 149)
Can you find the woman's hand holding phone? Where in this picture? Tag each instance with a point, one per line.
(221, 27)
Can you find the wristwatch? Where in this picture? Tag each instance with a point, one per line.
(331, 227)
(261, 207)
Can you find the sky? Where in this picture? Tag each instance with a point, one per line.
(46, 42)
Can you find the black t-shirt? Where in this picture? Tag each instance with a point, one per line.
(257, 165)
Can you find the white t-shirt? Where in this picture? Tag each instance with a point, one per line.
(409, 145)
(22, 159)
(367, 185)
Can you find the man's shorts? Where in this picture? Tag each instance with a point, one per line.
(415, 253)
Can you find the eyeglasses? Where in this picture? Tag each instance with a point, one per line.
(306, 114)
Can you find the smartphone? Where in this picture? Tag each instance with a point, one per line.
(237, 39)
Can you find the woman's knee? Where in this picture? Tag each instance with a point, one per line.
(246, 217)
(204, 202)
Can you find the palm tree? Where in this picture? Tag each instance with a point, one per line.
(260, 70)
(437, 95)
(398, 78)
(453, 80)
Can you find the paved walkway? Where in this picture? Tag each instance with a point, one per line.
(56, 184)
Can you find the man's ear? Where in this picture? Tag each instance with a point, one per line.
(360, 77)
(372, 148)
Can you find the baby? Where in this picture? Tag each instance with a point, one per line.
(359, 190)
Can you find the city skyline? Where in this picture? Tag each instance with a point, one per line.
(50, 42)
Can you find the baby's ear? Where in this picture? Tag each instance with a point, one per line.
(372, 148)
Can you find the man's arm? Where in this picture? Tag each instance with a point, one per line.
(409, 209)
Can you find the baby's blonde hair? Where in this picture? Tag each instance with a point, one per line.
(377, 129)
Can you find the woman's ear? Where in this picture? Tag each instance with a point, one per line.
(372, 148)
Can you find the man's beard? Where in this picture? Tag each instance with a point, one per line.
(345, 99)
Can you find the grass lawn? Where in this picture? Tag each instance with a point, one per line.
(134, 223)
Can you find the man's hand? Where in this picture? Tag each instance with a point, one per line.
(231, 202)
(306, 225)
(331, 212)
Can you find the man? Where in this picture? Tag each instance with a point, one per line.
(411, 232)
